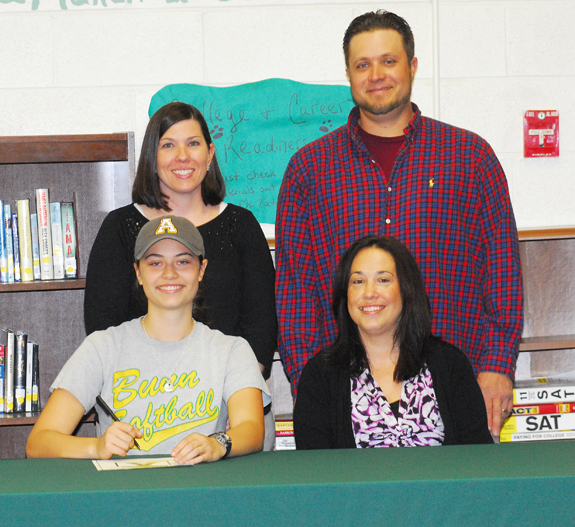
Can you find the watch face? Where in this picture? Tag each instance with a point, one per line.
(225, 440)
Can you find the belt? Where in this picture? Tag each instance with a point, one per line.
(267, 409)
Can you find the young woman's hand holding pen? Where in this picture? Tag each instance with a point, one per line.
(117, 440)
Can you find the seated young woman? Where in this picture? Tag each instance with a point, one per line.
(386, 380)
(170, 380)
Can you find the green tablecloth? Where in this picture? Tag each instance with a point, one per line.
(529, 484)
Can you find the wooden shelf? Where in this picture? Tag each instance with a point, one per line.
(64, 148)
(546, 233)
(46, 285)
(555, 342)
(19, 419)
(29, 418)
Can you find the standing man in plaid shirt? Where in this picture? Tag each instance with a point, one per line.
(393, 172)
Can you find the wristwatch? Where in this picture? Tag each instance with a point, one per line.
(225, 440)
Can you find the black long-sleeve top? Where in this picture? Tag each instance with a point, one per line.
(322, 413)
(238, 285)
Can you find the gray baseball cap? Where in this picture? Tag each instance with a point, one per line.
(172, 228)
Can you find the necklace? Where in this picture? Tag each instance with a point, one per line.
(170, 379)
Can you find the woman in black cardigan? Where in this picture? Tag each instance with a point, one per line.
(386, 380)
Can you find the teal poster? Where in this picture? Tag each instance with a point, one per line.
(257, 127)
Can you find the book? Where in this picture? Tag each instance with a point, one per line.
(7, 340)
(69, 232)
(285, 443)
(35, 246)
(537, 436)
(57, 242)
(543, 390)
(21, 343)
(44, 233)
(35, 378)
(1, 379)
(9, 241)
(285, 439)
(16, 242)
(536, 427)
(25, 239)
(3, 249)
(284, 427)
(558, 408)
(29, 368)
(284, 433)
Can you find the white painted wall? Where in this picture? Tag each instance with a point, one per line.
(91, 66)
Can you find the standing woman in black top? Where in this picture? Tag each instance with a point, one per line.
(178, 172)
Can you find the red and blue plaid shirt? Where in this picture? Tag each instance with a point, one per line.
(446, 199)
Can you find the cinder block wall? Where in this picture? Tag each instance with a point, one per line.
(91, 66)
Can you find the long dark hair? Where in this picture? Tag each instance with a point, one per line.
(347, 354)
(146, 189)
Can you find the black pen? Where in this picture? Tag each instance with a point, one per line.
(111, 414)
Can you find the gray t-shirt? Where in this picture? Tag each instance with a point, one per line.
(119, 364)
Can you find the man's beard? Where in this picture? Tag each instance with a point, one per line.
(383, 109)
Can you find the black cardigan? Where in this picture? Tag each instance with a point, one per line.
(322, 414)
(238, 285)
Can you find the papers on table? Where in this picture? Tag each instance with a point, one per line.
(128, 464)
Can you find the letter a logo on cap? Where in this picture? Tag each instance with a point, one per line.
(166, 226)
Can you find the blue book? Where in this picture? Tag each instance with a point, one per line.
(16, 242)
(57, 240)
(9, 242)
(35, 246)
(3, 250)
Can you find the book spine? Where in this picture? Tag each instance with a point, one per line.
(285, 443)
(35, 379)
(9, 241)
(543, 394)
(20, 372)
(9, 372)
(284, 425)
(29, 368)
(522, 437)
(284, 433)
(44, 233)
(25, 239)
(69, 228)
(1, 379)
(16, 241)
(559, 408)
(532, 424)
(35, 246)
(3, 249)
(57, 246)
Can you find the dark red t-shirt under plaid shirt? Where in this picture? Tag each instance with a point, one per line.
(446, 199)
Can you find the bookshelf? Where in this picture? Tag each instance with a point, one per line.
(548, 262)
(94, 171)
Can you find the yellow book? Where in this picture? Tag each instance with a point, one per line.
(25, 239)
